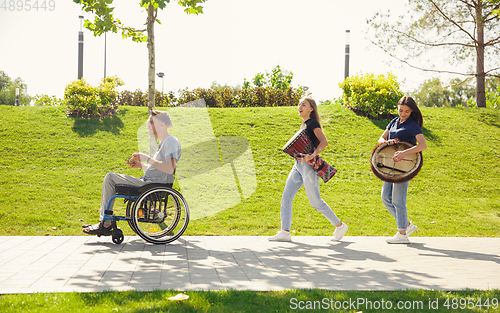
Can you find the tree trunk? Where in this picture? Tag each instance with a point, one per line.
(151, 74)
(480, 75)
(151, 54)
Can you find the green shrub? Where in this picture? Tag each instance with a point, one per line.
(186, 95)
(217, 97)
(336, 101)
(139, 98)
(84, 100)
(370, 95)
(80, 98)
(492, 99)
(246, 97)
(45, 100)
(106, 92)
(126, 97)
(165, 99)
(492, 94)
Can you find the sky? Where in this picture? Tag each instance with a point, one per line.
(231, 41)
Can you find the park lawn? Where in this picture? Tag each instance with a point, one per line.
(315, 300)
(52, 170)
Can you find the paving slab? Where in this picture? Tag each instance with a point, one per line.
(30, 264)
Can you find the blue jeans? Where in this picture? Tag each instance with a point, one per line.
(303, 174)
(394, 199)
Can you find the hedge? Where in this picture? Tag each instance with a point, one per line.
(222, 97)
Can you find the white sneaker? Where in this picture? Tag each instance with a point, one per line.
(340, 232)
(411, 229)
(281, 236)
(398, 238)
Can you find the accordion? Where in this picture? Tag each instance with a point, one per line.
(301, 143)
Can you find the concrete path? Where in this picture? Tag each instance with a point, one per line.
(87, 264)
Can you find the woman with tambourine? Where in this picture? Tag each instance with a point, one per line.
(405, 128)
(303, 173)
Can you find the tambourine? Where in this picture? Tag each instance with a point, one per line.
(388, 170)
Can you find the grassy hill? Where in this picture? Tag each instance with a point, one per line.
(52, 168)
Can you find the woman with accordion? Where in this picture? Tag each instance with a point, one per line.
(303, 174)
(407, 128)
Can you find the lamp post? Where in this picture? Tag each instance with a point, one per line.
(104, 55)
(161, 75)
(347, 51)
(17, 96)
(80, 49)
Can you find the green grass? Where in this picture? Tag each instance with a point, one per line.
(52, 169)
(249, 301)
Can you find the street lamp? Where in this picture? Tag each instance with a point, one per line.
(17, 96)
(161, 75)
(346, 68)
(104, 55)
(80, 49)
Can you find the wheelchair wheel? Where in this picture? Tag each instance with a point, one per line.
(117, 236)
(130, 205)
(160, 215)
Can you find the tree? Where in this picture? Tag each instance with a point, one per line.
(278, 79)
(8, 90)
(432, 93)
(105, 21)
(465, 29)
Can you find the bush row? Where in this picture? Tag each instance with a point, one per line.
(138, 98)
(222, 97)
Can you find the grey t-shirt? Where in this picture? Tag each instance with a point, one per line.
(170, 148)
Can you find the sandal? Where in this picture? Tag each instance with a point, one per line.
(98, 229)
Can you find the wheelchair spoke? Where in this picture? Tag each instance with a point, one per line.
(160, 215)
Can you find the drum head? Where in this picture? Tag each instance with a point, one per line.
(388, 170)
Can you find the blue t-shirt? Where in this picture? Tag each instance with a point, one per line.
(404, 132)
(170, 148)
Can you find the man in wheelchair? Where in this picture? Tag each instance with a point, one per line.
(159, 168)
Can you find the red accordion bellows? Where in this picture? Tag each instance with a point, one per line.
(301, 143)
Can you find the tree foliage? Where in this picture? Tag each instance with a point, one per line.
(457, 93)
(444, 31)
(105, 21)
(278, 79)
(433, 93)
(8, 90)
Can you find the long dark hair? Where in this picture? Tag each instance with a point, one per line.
(416, 114)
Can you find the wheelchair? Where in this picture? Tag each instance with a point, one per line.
(155, 212)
